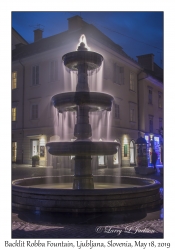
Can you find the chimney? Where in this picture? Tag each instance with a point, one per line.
(146, 61)
(38, 34)
(75, 22)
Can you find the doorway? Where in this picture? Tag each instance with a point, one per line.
(34, 146)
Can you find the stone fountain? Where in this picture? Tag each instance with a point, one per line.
(84, 192)
(82, 101)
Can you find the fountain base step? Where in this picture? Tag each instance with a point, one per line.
(134, 193)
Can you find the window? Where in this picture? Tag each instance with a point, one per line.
(118, 74)
(13, 114)
(14, 80)
(35, 75)
(72, 157)
(14, 151)
(34, 147)
(34, 112)
(101, 160)
(160, 100)
(116, 110)
(156, 139)
(42, 144)
(132, 81)
(115, 159)
(53, 71)
(34, 108)
(132, 115)
(150, 123)
(116, 156)
(160, 123)
(132, 112)
(150, 97)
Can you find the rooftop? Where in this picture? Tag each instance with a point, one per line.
(72, 34)
(77, 27)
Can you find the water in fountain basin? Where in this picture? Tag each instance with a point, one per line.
(99, 185)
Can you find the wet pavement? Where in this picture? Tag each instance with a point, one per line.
(131, 224)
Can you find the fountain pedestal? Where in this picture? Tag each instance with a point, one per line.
(83, 178)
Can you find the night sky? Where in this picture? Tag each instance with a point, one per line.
(137, 33)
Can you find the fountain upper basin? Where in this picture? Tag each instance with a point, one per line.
(82, 148)
(134, 193)
(70, 100)
(92, 59)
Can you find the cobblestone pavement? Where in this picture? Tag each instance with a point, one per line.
(144, 229)
(139, 224)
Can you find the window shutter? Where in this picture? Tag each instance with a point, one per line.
(34, 111)
(121, 75)
(56, 70)
(116, 73)
(132, 81)
(117, 111)
(51, 70)
(33, 75)
(132, 115)
(37, 74)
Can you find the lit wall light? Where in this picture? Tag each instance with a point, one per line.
(125, 140)
(146, 138)
(151, 136)
(42, 142)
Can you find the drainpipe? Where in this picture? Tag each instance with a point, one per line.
(138, 99)
(23, 91)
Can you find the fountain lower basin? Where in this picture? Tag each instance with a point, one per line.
(111, 194)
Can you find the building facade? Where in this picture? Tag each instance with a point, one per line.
(150, 101)
(38, 74)
(17, 40)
